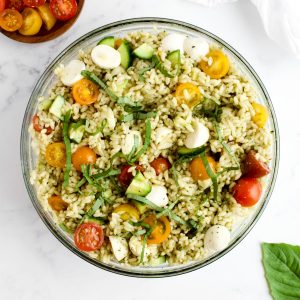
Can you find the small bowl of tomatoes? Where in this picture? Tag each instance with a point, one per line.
(36, 21)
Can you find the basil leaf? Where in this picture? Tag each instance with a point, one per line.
(282, 268)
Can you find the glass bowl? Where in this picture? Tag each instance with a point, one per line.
(119, 29)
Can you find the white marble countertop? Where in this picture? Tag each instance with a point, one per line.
(34, 265)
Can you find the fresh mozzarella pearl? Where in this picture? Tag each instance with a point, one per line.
(128, 142)
(136, 246)
(106, 57)
(196, 48)
(172, 42)
(119, 247)
(197, 138)
(158, 195)
(216, 238)
(108, 114)
(163, 138)
(71, 73)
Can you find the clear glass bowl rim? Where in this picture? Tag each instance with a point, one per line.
(24, 153)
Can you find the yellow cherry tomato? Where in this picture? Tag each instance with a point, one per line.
(47, 16)
(198, 170)
(56, 155)
(188, 93)
(127, 212)
(261, 114)
(32, 22)
(161, 229)
(219, 65)
(57, 203)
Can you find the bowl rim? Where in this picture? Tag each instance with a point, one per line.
(248, 227)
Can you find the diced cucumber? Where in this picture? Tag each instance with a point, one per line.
(157, 261)
(139, 185)
(144, 51)
(126, 57)
(109, 41)
(140, 206)
(76, 131)
(97, 220)
(45, 105)
(56, 107)
(174, 58)
(187, 151)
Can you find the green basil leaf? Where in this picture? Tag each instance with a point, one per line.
(282, 268)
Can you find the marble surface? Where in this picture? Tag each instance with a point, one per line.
(34, 265)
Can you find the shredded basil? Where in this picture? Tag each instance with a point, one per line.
(86, 169)
(159, 65)
(141, 115)
(68, 147)
(65, 228)
(129, 105)
(145, 201)
(99, 202)
(80, 184)
(144, 70)
(99, 129)
(107, 173)
(134, 148)
(148, 233)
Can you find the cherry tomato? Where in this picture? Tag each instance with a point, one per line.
(247, 191)
(198, 170)
(188, 93)
(253, 167)
(63, 9)
(32, 22)
(89, 236)
(161, 229)
(83, 156)
(160, 165)
(10, 20)
(261, 114)
(125, 177)
(37, 127)
(14, 4)
(2, 5)
(57, 203)
(127, 211)
(56, 155)
(34, 3)
(219, 66)
(47, 16)
(85, 92)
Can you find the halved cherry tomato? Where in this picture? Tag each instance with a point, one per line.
(261, 114)
(57, 203)
(125, 176)
(63, 9)
(161, 229)
(127, 211)
(14, 4)
(85, 92)
(198, 170)
(47, 16)
(34, 3)
(160, 165)
(83, 156)
(2, 5)
(253, 167)
(32, 22)
(118, 43)
(89, 236)
(219, 66)
(10, 20)
(56, 155)
(37, 127)
(247, 191)
(188, 93)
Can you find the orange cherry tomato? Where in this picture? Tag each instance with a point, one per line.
(118, 43)
(85, 92)
(198, 170)
(37, 127)
(188, 93)
(10, 20)
(83, 156)
(2, 5)
(247, 191)
(89, 236)
(161, 229)
(127, 212)
(160, 165)
(57, 203)
(219, 66)
(56, 155)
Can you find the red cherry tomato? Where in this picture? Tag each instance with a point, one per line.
(63, 9)
(34, 3)
(247, 191)
(253, 167)
(37, 127)
(2, 5)
(160, 165)
(125, 176)
(14, 4)
(89, 236)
